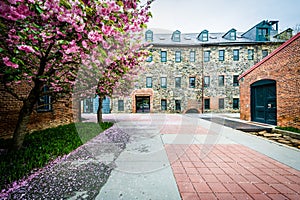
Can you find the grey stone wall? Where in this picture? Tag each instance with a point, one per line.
(191, 98)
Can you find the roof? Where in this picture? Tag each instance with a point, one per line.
(270, 55)
(190, 39)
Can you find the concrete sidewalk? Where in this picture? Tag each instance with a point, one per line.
(205, 161)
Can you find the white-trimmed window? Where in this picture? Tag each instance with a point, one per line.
(192, 56)
(177, 56)
(206, 56)
(149, 82)
(163, 82)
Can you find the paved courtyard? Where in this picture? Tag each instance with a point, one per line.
(208, 161)
(157, 157)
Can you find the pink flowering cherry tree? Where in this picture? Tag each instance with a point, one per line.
(44, 43)
(117, 72)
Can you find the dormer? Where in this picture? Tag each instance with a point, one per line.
(149, 36)
(285, 35)
(176, 36)
(203, 36)
(263, 31)
(230, 35)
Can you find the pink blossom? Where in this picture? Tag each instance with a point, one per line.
(79, 28)
(73, 49)
(13, 1)
(108, 61)
(8, 63)
(95, 37)
(84, 44)
(26, 48)
(105, 44)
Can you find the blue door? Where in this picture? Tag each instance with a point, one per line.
(106, 105)
(91, 105)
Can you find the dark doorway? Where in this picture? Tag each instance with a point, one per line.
(263, 102)
(192, 111)
(143, 104)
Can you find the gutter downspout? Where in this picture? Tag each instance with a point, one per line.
(202, 86)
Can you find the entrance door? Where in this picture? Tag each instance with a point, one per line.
(263, 102)
(106, 105)
(143, 104)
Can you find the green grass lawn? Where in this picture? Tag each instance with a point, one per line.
(292, 129)
(41, 147)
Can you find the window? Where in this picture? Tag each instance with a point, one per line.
(235, 80)
(221, 103)
(206, 81)
(149, 36)
(176, 36)
(177, 82)
(206, 104)
(163, 56)
(205, 37)
(221, 55)
(264, 53)
(206, 56)
(221, 80)
(262, 34)
(192, 56)
(192, 82)
(150, 58)
(236, 55)
(235, 104)
(44, 102)
(177, 56)
(232, 35)
(250, 54)
(88, 105)
(120, 105)
(149, 82)
(163, 104)
(163, 82)
(177, 105)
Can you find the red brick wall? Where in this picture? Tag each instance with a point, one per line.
(10, 107)
(284, 67)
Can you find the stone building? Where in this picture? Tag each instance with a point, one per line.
(270, 90)
(198, 72)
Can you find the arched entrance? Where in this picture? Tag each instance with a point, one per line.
(142, 100)
(192, 111)
(263, 102)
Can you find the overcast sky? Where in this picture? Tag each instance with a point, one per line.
(193, 16)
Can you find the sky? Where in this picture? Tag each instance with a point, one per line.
(193, 16)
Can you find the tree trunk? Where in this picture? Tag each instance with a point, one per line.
(24, 116)
(99, 111)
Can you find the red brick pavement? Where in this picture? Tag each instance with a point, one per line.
(230, 171)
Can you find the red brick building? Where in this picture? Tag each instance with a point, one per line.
(49, 115)
(270, 90)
